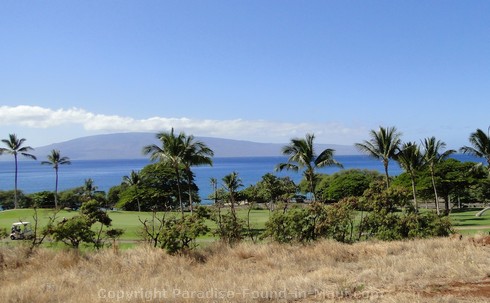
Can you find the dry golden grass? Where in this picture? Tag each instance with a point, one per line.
(434, 270)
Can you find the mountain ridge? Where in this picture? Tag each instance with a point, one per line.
(129, 146)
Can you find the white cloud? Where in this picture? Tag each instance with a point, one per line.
(37, 117)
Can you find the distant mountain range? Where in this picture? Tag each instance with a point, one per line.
(129, 146)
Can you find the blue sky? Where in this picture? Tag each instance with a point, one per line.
(264, 71)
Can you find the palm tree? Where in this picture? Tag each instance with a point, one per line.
(480, 145)
(411, 160)
(55, 160)
(433, 156)
(302, 155)
(232, 183)
(134, 180)
(382, 146)
(89, 189)
(171, 153)
(196, 154)
(214, 185)
(14, 147)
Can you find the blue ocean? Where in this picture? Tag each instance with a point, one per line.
(34, 177)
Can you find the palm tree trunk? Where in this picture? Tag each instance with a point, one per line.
(414, 194)
(232, 201)
(385, 164)
(311, 175)
(190, 192)
(56, 190)
(138, 199)
(15, 182)
(435, 194)
(179, 192)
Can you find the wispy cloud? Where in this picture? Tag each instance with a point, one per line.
(255, 130)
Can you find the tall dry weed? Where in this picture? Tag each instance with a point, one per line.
(405, 271)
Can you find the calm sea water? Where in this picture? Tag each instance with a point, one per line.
(34, 177)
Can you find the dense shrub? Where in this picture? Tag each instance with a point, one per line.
(311, 223)
(74, 231)
(345, 183)
(179, 234)
(408, 225)
(80, 228)
(392, 217)
(175, 235)
(43, 199)
(294, 225)
(229, 228)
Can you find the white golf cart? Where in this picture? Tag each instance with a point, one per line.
(21, 231)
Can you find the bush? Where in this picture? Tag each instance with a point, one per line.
(230, 228)
(3, 233)
(175, 235)
(179, 235)
(311, 223)
(409, 225)
(74, 231)
(294, 225)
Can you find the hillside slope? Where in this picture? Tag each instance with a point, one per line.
(129, 146)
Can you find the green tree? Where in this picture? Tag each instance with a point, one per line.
(14, 147)
(172, 152)
(157, 190)
(302, 155)
(271, 189)
(93, 212)
(412, 161)
(7, 199)
(214, 184)
(89, 189)
(232, 183)
(73, 231)
(134, 181)
(480, 145)
(383, 146)
(456, 178)
(346, 183)
(43, 199)
(433, 156)
(230, 228)
(196, 153)
(55, 160)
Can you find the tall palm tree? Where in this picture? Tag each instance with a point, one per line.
(134, 180)
(382, 146)
(480, 145)
(232, 183)
(14, 147)
(214, 185)
(55, 160)
(302, 155)
(89, 189)
(433, 156)
(171, 153)
(411, 160)
(196, 153)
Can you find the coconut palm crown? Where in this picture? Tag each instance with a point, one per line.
(15, 147)
(480, 142)
(302, 155)
(383, 146)
(55, 159)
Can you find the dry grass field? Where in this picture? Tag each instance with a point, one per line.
(432, 270)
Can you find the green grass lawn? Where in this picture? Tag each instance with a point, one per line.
(464, 221)
(129, 221)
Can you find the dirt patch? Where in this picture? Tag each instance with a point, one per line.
(480, 289)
